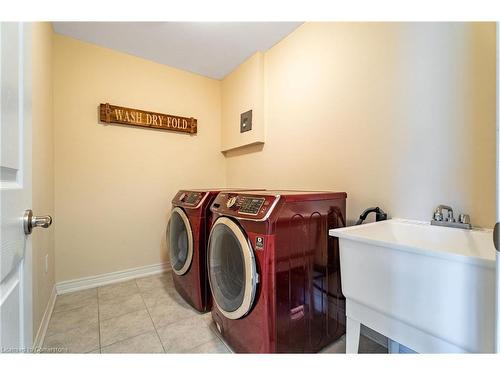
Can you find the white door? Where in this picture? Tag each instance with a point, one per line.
(15, 187)
(497, 228)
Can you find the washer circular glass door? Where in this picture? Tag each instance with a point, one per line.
(232, 272)
(180, 241)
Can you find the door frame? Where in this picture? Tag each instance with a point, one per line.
(497, 296)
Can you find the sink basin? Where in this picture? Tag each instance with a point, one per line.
(429, 288)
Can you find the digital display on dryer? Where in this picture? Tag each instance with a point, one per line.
(192, 198)
(251, 206)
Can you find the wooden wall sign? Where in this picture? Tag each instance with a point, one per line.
(121, 115)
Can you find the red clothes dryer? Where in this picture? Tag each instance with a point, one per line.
(274, 272)
(187, 236)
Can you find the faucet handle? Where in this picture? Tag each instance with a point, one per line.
(464, 219)
(438, 216)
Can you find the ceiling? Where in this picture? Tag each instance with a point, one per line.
(212, 49)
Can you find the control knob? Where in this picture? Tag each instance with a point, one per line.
(231, 202)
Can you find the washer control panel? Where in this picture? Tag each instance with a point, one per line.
(243, 205)
(189, 199)
(251, 205)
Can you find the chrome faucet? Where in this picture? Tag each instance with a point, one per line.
(438, 218)
(438, 213)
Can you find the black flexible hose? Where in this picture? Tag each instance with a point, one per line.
(380, 215)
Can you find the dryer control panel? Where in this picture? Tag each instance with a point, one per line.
(188, 199)
(251, 205)
(244, 205)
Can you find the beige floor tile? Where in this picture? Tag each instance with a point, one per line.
(66, 320)
(185, 335)
(75, 300)
(125, 326)
(145, 343)
(111, 291)
(212, 347)
(156, 296)
(119, 306)
(168, 313)
(157, 281)
(208, 318)
(78, 340)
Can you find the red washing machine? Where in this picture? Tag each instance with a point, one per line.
(274, 272)
(190, 223)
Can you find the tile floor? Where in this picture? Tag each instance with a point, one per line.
(140, 316)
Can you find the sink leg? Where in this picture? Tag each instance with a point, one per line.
(352, 336)
(393, 346)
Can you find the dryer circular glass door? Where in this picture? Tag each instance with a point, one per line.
(180, 241)
(231, 269)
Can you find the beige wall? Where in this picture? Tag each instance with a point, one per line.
(43, 168)
(114, 184)
(396, 115)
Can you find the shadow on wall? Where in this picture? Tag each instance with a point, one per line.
(480, 189)
(245, 150)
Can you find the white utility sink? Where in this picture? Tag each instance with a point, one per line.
(429, 288)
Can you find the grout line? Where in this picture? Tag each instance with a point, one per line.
(128, 338)
(69, 310)
(140, 292)
(217, 340)
(152, 321)
(126, 312)
(90, 351)
(80, 326)
(211, 325)
(73, 308)
(73, 327)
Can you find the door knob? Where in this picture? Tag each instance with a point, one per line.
(30, 221)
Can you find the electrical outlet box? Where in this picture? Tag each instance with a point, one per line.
(246, 121)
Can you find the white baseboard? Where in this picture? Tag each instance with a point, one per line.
(44, 324)
(110, 278)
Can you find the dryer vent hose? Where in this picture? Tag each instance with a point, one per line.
(380, 215)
